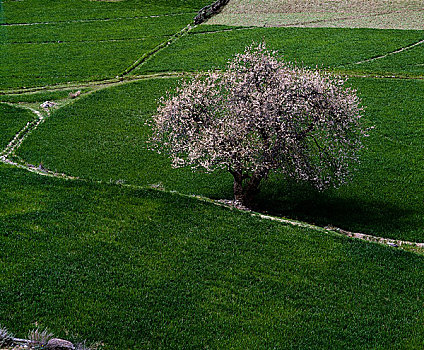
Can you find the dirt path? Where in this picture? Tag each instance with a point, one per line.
(8, 156)
(138, 63)
(102, 84)
(95, 84)
(23, 134)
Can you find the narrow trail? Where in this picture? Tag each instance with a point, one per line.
(170, 40)
(379, 76)
(95, 84)
(390, 53)
(119, 80)
(8, 156)
(22, 134)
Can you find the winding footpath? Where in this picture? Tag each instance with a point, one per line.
(8, 156)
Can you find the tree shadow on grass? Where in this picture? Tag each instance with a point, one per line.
(354, 212)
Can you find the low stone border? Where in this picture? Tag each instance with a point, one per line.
(39, 340)
(209, 11)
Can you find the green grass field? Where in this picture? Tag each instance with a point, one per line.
(142, 269)
(40, 11)
(119, 29)
(103, 137)
(44, 64)
(76, 47)
(407, 63)
(336, 49)
(123, 256)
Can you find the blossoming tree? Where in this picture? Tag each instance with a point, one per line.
(261, 115)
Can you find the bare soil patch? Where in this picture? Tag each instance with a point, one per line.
(382, 14)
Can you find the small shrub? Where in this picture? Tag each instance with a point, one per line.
(39, 338)
(6, 338)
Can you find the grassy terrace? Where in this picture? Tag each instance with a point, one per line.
(59, 47)
(103, 137)
(36, 11)
(209, 47)
(142, 269)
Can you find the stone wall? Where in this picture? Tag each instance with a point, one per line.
(210, 10)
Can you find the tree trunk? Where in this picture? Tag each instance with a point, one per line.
(238, 187)
(246, 194)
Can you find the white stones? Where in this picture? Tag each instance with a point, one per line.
(59, 344)
(48, 104)
(75, 94)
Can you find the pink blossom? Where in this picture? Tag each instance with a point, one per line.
(262, 114)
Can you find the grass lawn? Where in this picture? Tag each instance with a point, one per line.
(103, 137)
(141, 269)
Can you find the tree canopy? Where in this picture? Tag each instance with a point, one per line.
(262, 114)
